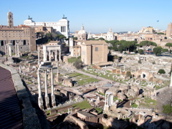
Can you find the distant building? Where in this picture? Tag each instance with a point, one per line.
(94, 52)
(43, 29)
(110, 35)
(16, 39)
(107, 36)
(62, 26)
(74, 49)
(147, 30)
(82, 34)
(169, 30)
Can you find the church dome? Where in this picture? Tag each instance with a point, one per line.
(82, 31)
(110, 32)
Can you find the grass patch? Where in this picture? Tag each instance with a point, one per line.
(87, 80)
(82, 79)
(148, 102)
(99, 110)
(82, 105)
(29, 82)
(73, 59)
(109, 75)
(74, 74)
(25, 57)
(101, 93)
(134, 105)
(48, 112)
(115, 98)
(167, 109)
(158, 87)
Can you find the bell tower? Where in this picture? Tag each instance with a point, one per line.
(10, 19)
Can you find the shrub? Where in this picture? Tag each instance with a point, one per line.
(78, 64)
(128, 74)
(140, 51)
(161, 71)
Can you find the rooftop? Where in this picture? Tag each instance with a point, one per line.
(86, 114)
(94, 42)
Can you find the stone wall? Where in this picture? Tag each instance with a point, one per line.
(30, 118)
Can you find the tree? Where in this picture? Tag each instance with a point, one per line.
(40, 34)
(60, 36)
(101, 39)
(147, 43)
(140, 51)
(157, 50)
(49, 36)
(169, 45)
(161, 71)
(164, 50)
(91, 39)
(123, 45)
(78, 64)
(121, 48)
(75, 38)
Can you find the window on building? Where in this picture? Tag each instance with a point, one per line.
(24, 42)
(144, 76)
(13, 42)
(2, 43)
(63, 28)
(96, 49)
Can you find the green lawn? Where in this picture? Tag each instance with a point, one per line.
(101, 93)
(99, 110)
(82, 105)
(110, 77)
(72, 59)
(134, 105)
(82, 79)
(115, 98)
(167, 109)
(149, 103)
(157, 87)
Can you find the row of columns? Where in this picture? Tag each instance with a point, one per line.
(45, 55)
(56, 52)
(40, 99)
(50, 52)
(8, 49)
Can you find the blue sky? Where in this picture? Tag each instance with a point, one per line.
(96, 15)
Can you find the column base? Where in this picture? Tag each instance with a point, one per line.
(40, 103)
(47, 102)
(53, 101)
